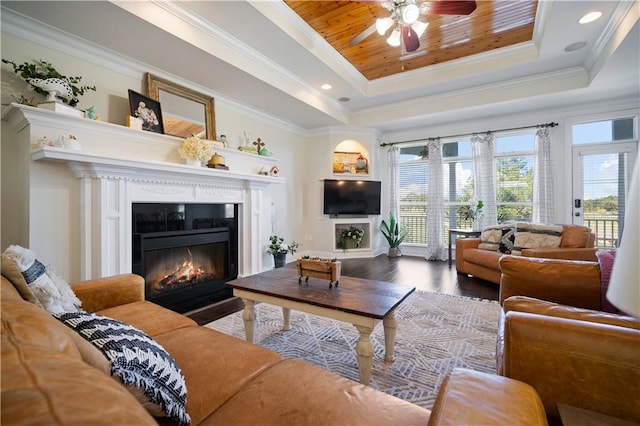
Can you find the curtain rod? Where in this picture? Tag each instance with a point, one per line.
(537, 126)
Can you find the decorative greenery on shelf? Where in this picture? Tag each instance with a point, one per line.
(392, 231)
(350, 234)
(278, 246)
(44, 70)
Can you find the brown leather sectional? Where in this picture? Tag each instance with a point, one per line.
(576, 244)
(47, 379)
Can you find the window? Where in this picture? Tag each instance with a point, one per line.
(414, 188)
(514, 177)
(621, 129)
(514, 158)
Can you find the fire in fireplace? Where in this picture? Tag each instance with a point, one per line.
(185, 252)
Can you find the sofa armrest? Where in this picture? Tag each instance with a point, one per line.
(471, 397)
(569, 282)
(579, 363)
(569, 253)
(102, 293)
(463, 244)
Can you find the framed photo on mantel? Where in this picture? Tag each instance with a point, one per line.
(147, 110)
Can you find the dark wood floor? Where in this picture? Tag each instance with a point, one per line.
(434, 276)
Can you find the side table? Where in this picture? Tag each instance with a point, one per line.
(466, 233)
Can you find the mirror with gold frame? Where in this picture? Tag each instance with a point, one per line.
(185, 112)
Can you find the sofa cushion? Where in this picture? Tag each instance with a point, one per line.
(576, 236)
(486, 258)
(148, 317)
(36, 282)
(136, 359)
(320, 398)
(216, 366)
(43, 386)
(535, 235)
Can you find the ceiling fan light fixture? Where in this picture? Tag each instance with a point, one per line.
(394, 38)
(383, 25)
(419, 27)
(410, 13)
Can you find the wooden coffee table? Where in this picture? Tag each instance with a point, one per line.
(361, 302)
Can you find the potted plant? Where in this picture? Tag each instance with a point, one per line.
(279, 249)
(393, 234)
(473, 212)
(37, 72)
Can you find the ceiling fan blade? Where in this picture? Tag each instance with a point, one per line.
(451, 7)
(410, 38)
(366, 33)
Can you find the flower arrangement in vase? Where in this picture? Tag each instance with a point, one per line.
(279, 249)
(350, 234)
(194, 151)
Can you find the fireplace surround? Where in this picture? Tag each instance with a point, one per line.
(77, 214)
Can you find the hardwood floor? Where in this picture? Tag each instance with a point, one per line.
(434, 276)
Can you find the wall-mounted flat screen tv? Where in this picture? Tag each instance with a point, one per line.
(351, 197)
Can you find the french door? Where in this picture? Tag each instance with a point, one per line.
(601, 178)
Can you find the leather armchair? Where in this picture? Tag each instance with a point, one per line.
(561, 343)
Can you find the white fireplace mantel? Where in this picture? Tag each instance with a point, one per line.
(114, 168)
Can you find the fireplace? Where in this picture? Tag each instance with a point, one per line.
(185, 252)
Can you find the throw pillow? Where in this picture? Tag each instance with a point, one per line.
(536, 236)
(507, 240)
(137, 360)
(490, 238)
(606, 259)
(36, 282)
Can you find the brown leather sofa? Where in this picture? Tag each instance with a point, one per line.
(576, 244)
(47, 378)
(554, 336)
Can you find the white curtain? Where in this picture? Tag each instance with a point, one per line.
(393, 160)
(484, 172)
(543, 195)
(436, 249)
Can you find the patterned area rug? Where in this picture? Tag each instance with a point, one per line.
(436, 333)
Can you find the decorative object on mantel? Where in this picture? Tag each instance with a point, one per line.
(274, 171)
(279, 249)
(148, 111)
(44, 142)
(350, 235)
(68, 142)
(134, 122)
(217, 162)
(393, 234)
(264, 172)
(47, 81)
(194, 151)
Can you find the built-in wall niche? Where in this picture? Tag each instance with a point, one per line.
(350, 158)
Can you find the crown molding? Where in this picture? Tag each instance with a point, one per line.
(227, 48)
(539, 84)
(623, 18)
(36, 32)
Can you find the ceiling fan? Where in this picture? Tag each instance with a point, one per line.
(404, 16)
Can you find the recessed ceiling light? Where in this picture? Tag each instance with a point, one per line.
(590, 17)
(575, 46)
(326, 86)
